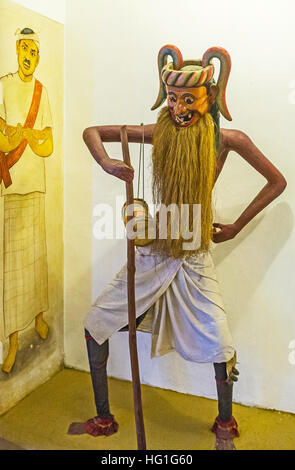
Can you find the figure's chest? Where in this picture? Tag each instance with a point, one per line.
(17, 101)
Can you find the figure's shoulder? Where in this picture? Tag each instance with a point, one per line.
(44, 91)
(233, 138)
(7, 78)
(149, 132)
(37, 80)
(45, 101)
(8, 82)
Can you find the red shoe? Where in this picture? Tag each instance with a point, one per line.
(225, 430)
(101, 427)
(225, 434)
(95, 427)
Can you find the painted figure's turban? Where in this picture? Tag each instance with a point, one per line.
(28, 33)
(193, 73)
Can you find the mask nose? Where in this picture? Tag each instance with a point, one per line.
(180, 108)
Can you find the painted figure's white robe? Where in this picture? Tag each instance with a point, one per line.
(24, 264)
(185, 308)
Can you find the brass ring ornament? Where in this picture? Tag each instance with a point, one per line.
(140, 206)
(141, 212)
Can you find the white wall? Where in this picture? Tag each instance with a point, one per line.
(111, 78)
(54, 9)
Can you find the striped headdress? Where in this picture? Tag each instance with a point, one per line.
(193, 73)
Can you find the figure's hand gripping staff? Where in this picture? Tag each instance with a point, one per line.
(141, 442)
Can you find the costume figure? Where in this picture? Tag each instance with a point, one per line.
(176, 289)
(25, 138)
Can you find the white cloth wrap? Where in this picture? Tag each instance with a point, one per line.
(183, 301)
(25, 284)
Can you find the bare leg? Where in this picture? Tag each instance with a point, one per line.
(41, 326)
(10, 358)
(104, 423)
(225, 426)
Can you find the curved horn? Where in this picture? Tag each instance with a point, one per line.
(175, 53)
(225, 66)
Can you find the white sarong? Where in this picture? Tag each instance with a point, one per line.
(184, 306)
(25, 260)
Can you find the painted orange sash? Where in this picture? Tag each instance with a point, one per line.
(7, 161)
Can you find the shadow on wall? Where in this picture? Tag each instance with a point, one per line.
(32, 352)
(37, 360)
(271, 231)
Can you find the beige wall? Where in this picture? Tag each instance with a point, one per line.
(53, 9)
(112, 79)
(38, 360)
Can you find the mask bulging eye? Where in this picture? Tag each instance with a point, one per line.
(189, 100)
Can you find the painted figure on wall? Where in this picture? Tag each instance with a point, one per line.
(25, 139)
(179, 288)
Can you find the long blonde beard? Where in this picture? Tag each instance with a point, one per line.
(184, 169)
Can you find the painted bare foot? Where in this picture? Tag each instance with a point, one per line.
(41, 326)
(9, 361)
(95, 427)
(10, 358)
(224, 444)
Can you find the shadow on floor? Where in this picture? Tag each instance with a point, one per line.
(6, 445)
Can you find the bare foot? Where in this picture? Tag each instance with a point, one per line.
(41, 326)
(224, 444)
(10, 358)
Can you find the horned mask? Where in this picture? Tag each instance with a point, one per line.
(193, 73)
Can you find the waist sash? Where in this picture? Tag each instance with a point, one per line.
(11, 158)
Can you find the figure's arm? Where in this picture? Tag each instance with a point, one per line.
(34, 137)
(10, 137)
(95, 136)
(276, 183)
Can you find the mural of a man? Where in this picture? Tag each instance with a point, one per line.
(25, 138)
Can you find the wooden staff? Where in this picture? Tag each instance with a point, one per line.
(141, 442)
